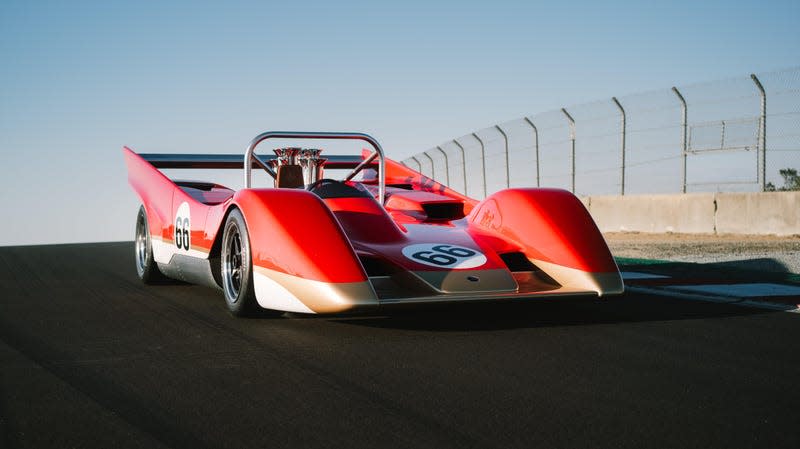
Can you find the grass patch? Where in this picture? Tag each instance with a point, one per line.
(630, 261)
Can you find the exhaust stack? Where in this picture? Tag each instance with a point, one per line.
(308, 159)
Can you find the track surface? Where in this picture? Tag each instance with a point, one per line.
(89, 357)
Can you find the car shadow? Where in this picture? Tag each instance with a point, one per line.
(764, 269)
(754, 270)
(628, 308)
(760, 264)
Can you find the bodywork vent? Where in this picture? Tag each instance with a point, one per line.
(444, 211)
(517, 262)
(199, 185)
(376, 266)
(401, 186)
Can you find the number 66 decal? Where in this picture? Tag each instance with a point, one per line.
(183, 227)
(444, 255)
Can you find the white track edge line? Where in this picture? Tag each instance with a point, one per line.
(733, 300)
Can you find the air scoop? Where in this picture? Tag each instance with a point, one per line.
(426, 206)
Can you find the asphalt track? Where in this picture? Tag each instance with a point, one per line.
(89, 357)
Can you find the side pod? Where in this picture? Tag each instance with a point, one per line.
(556, 233)
(302, 261)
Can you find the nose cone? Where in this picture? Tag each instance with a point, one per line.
(469, 281)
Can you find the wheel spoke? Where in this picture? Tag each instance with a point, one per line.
(233, 263)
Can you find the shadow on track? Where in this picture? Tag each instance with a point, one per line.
(763, 269)
(537, 314)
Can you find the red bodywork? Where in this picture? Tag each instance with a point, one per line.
(332, 241)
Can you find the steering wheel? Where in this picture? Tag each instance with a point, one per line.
(323, 181)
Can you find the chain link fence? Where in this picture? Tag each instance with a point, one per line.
(739, 134)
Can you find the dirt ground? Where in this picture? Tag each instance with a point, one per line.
(774, 253)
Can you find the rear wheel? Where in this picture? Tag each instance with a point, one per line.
(146, 267)
(237, 267)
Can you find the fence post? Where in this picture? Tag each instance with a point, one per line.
(684, 148)
(536, 148)
(505, 138)
(433, 167)
(418, 163)
(762, 132)
(446, 166)
(464, 166)
(483, 161)
(571, 138)
(622, 179)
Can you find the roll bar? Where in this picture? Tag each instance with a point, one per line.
(250, 157)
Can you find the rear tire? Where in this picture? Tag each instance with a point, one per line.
(237, 268)
(146, 267)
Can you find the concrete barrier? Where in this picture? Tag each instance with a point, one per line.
(758, 213)
(691, 214)
(767, 213)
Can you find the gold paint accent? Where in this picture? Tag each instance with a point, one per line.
(200, 249)
(324, 297)
(456, 281)
(332, 297)
(602, 283)
(547, 294)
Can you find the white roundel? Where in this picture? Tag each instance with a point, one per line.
(183, 227)
(444, 255)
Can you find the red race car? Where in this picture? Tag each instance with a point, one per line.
(383, 234)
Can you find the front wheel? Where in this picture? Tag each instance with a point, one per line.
(237, 267)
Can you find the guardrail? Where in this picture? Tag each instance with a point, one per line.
(703, 137)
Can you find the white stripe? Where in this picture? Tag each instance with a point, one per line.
(742, 290)
(163, 251)
(663, 291)
(762, 304)
(272, 295)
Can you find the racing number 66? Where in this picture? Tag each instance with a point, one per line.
(182, 233)
(443, 255)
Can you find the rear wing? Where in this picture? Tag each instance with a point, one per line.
(180, 160)
(233, 161)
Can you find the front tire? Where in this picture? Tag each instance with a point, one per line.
(237, 267)
(146, 267)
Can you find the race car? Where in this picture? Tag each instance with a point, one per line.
(379, 235)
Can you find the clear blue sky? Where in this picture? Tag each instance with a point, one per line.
(79, 81)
